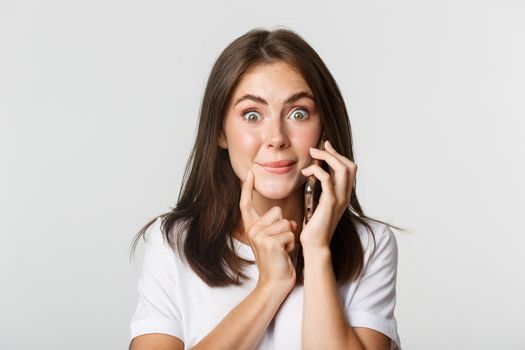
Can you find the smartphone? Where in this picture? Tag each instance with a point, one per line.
(312, 189)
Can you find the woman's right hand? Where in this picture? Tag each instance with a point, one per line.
(271, 239)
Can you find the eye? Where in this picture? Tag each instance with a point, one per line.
(251, 114)
(300, 113)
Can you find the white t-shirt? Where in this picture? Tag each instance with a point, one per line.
(174, 300)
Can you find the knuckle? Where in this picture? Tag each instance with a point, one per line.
(285, 225)
(275, 244)
(251, 231)
(256, 239)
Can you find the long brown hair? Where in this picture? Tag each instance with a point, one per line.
(207, 209)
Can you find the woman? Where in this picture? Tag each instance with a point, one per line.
(235, 265)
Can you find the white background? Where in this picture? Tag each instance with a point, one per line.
(99, 103)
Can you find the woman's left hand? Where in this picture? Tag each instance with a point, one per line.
(335, 196)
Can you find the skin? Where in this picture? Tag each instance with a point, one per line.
(272, 132)
(271, 206)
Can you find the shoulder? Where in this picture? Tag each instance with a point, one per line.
(380, 243)
(371, 299)
(157, 248)
(156, 232)
(154, 237)
(159, 287)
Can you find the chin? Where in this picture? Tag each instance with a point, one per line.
(273, 190)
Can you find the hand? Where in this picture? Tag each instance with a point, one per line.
(271, 239)
(335, 196)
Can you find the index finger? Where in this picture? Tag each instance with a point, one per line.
(248, 213)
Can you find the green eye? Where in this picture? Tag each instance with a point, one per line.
(297, 114)
(252, 115)
(300, 115)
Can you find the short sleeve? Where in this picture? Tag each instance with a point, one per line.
(373, 303)
(157, 310)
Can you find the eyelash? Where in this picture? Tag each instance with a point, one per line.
(296, 109)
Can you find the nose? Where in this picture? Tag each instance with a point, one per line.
(277, 135)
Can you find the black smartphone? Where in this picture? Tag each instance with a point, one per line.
(312, 189)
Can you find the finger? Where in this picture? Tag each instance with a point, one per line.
(284, 240)
(347, 162)
(330, 149)
(280, 226)
(338, 169)
(294, 225)
(272, 216)
(328, 190)
(248, 213)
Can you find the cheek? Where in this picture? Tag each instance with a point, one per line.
(244, 143)
(242, 150)
(307, 139)
(237, 138)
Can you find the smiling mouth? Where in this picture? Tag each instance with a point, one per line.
(278, 170)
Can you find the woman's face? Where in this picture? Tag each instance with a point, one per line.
(271, 117)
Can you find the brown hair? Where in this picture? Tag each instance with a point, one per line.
(208, 205)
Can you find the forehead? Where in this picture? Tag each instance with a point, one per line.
(271, 79)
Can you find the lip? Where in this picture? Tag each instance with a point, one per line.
(280, 167)
(278, 164)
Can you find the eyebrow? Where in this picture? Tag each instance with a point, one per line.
(291, 99)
